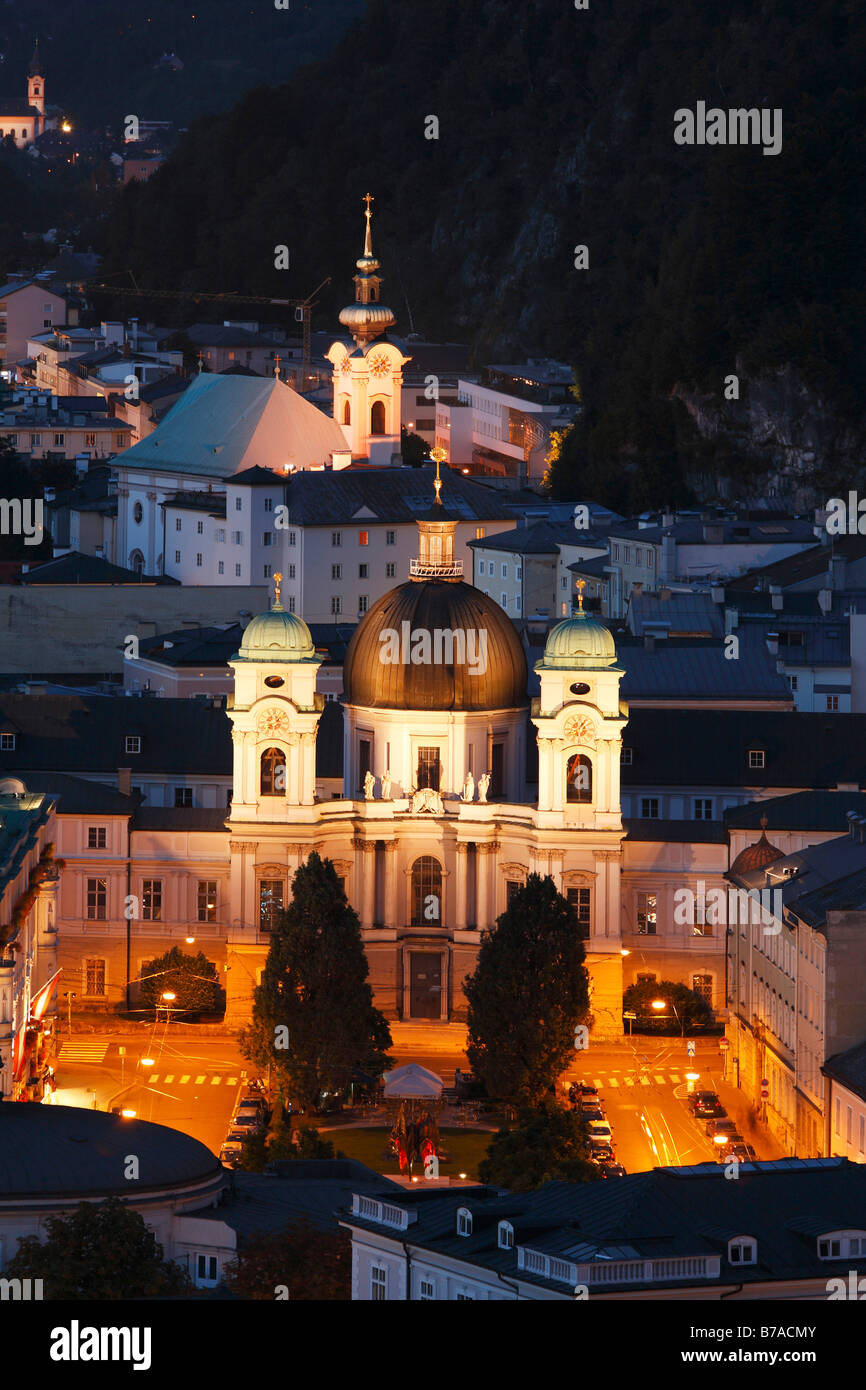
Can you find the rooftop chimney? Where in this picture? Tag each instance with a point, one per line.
(773, 643)
(124, 780)
(776, 598)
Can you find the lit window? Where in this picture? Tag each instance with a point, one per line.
(270, 903)
(647, 914)
(151, 900)
(207, 899)
(479, 533)
(363, 537)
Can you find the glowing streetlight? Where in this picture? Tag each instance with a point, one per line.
(190, 940)
(656, 1004)
(128, 1114)
(168, 996)
(693, 1076)
(721, 1139)
(147, 1062)
(625, 951)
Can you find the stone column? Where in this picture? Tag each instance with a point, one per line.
(308, 768)
(602, 767)
(238, 764)
(391, 885)
(483, 861)
(461, 868)
(365, 877)
(293, 767)
(543, 773)
(557, 774)
(614, 795)
(251, 762)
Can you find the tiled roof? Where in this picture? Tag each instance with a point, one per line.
(849, 1068)
(697, 832)
(540, 538)
(180, 818)
(806, 810)
(686, 747)
(808, 564)
(74, 568)
(390, 494)
(692, 614)
(659, 1215)
(76, 796)
(690, 531)
(699, 670)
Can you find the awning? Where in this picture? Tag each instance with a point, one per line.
(413, 1081)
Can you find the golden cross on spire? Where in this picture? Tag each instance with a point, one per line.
(276, 364)
(368, 199)
(278, 581)
(368, 242)
(439, 455)
(580, 586)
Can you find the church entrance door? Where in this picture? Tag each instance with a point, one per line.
(425, 984)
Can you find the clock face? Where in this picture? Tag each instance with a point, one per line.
(579, 729)
(379, 365)
(345, 366)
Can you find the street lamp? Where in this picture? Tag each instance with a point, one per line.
(663, 1004)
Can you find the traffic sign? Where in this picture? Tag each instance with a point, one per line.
(690, 1047)
(629, 1015)
(724, 1044)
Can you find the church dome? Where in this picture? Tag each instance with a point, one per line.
(442, 682)
(366, 320)
(579, 641)
(276, 636)
(757, 856)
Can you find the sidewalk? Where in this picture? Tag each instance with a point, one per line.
(740, 1109)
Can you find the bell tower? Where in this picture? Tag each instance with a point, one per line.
(36, 85)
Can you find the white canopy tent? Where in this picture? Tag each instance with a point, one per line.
(412, 1082)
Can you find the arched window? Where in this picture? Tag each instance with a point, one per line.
(347, 412)
(136, 561)
(426, 892)
(377, 418)
(273, 770)
(579, 778)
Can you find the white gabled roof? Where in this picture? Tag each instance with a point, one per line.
(222, 425)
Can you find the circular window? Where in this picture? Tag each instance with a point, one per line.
(137, 512)
(580, 688)
(274, 682)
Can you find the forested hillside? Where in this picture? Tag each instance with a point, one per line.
(556, 130)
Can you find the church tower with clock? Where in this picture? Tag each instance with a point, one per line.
(368, 367)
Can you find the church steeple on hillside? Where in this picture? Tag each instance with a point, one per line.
(367, 319)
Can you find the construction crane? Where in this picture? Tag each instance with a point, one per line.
(303, 307)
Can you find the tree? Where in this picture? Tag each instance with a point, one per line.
(313, 1015)
(685, 1009)
(193, 979)
(308, 1263)
(100, 1251)
(262, 1148)
(414, 449)
(528, 992)
(546, 1143)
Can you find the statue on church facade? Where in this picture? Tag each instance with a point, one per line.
(369, 785)
(483, 786)
(469, 788)
(386, 785)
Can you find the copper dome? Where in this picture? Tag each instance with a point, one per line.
(757, 856)
(431, 606)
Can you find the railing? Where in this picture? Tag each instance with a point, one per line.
(436, 569)
(384, 1213)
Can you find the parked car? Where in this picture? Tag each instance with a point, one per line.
(600, 1152)
(724, 1126)
(740, 1150)
(612, 1170)
(231, 1152)
(249, 1107)
(591, 1102)
(592, 1113)
(246, 1122)
(600, 1129)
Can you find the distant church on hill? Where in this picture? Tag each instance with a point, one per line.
(26, 118)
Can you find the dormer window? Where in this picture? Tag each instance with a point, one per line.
(842, 1245)
(132, 743)
(756, 757)
(464, 1221)
(7, 743)
(742, 1250)
(506, 1236)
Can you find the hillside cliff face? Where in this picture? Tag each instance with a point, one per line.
(556, 131)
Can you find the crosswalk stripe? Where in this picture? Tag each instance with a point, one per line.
(231, 1081)
(152, 1079)
(659, 1080)
(200, 1080)
(613, 1081)
(169, 1079)
(675, 1078)
(645, 1081)
(215, 1080)
(184, 1079)
(597, 1081)
(83, 1050)
(629, 1081)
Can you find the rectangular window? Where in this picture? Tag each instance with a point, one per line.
(60, 439)
(94, 975)
(756, 757)
(479, 533)
(178, 523)
(199, 560)
(702, 808)
(480, 566)
(428, 767)
(426, 1294)
(838, 1117)
(626, 554)
(564, 582)
(363, 537)
(649, 807)
(336, 538)
(266, 571)
(96, 837)
(237, 537)
(206, 902)
(293, 538)
(497, 770)
(291, 603)
(616, 552)
(291, 571)
(512, 888)
(7, 742)
(269, 504)
(849, 1124)
(390, 570)
(362, 603)
(638, 555)
(390, 537)
(647, 914)
(517, 603)
(199, 528)
(221, 535)
(267, 538)
(861, 1140)
(625, 757)
(237, 571)
(151, 900)
(36, 441)
(183, 796)
(132, 743)
(504, 571)
(221, 566)
(238, 504)
(581, 901)
(97, 896)
(336, 571)
(206, 1269)
(792, 682)
(90, 441)
(378, 1284)
(177, 557)
(504, 600)
(118, 441)
(362, 571)
(270, 902)
(832, 702)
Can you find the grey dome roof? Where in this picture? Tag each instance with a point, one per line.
(64, 1151)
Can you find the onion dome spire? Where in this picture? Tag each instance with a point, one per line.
(367, 319)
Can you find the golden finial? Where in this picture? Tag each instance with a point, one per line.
(580, 586)
(439, 455)
(276, 364)
(278, 580)
(764, 824)
(368, 241)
